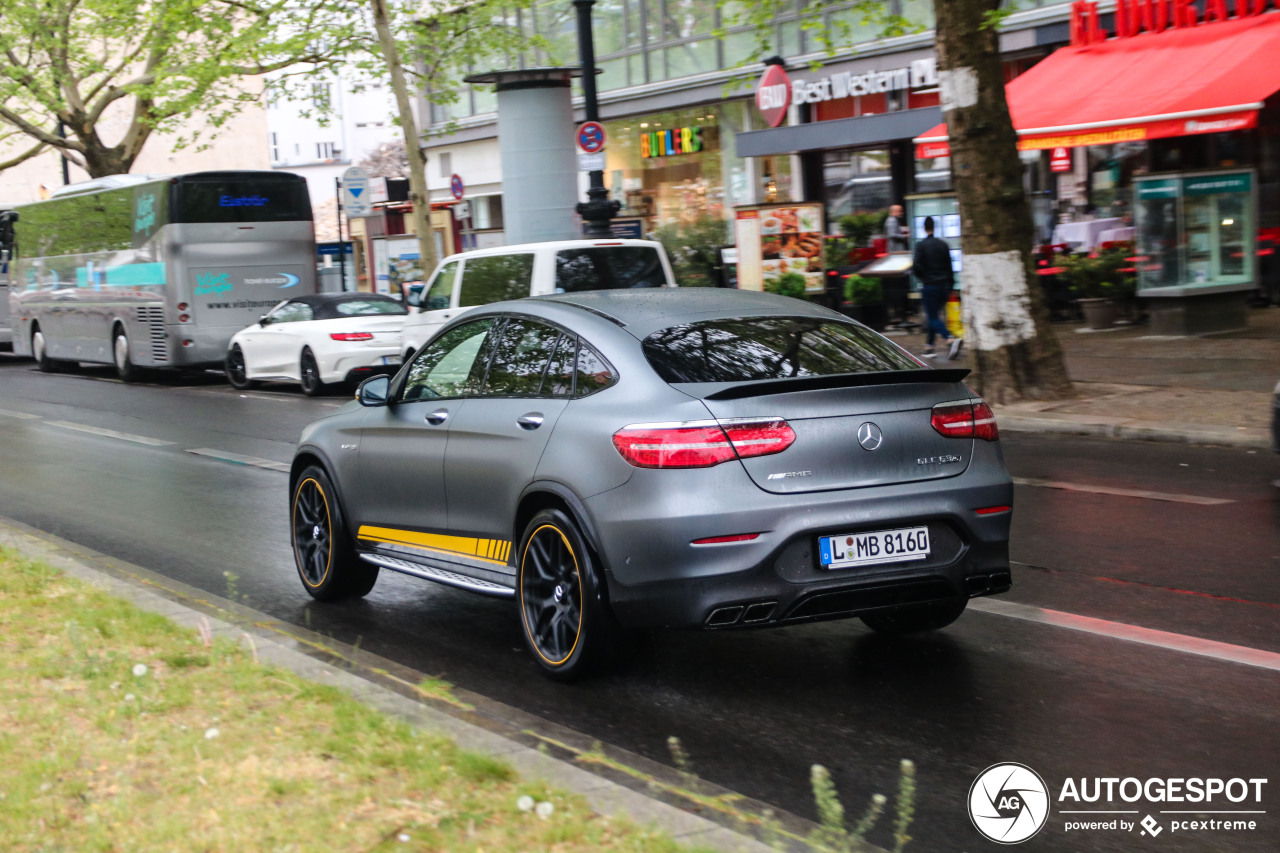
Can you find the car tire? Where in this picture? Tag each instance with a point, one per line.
(408, 356)
(122, 357)
(565, 621)
(309, 374)
(237, 370)
(323, 551)
(40, 352)
(915, 620)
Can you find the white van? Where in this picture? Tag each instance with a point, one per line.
(482, 276)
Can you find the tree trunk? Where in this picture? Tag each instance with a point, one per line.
(412, 143)
(1015, 352)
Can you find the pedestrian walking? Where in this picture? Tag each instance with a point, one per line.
(931, 264)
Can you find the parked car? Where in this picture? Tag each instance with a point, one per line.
(319, 340)
(484, 276)
(693, 457)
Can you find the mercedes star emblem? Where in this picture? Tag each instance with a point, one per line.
(870, 437)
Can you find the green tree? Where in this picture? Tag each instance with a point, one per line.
(96, 78)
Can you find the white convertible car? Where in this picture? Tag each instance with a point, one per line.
(319, 340)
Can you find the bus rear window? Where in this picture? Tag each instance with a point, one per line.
(240, 201)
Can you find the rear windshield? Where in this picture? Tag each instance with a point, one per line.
(608, 268)
(759, 348)
(239, 200)
(358, 308)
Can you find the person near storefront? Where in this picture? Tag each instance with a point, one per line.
(931, 264)
(894, 231)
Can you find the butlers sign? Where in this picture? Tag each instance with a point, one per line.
(1133, 17)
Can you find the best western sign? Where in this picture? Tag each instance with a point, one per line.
(1133, 17)
(776, 91)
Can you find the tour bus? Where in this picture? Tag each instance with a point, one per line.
(145, 271)
(6, 242)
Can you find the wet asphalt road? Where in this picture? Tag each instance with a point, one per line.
(755, 710)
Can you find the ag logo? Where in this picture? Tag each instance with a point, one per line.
(1008, 803)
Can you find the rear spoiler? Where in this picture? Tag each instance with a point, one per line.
(761, 388)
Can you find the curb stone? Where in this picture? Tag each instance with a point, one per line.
(1102, 427)
(146, 590)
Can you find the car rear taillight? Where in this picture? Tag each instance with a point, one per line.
(351, 336)
(701, 444)
(965, 419)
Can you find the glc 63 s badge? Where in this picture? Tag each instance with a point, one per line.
(938, 460)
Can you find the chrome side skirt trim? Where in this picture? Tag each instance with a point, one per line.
(431, 573)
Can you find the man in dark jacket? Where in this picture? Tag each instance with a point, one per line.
(932, 266)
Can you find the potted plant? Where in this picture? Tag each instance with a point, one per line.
(1092, 283)
(864, 301)
(787, 284)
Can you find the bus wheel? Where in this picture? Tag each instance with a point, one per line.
(125, 367)
(237, 371)
(312, 385)
(40, 351)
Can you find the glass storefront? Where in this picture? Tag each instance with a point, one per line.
(856, 181)
(1195, 230)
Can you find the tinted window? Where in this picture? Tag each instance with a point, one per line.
(608, 268)
(593, 374)
(359, 308)
(239, 199)
(77, 225)
(494, 278)
(441, 288)
(520, 358)
(558, 381)
(450, 366)
(769, 348)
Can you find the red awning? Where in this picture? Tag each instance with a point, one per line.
(1180, 82)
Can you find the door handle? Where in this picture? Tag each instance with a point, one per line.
(437, 417)
(532, 420)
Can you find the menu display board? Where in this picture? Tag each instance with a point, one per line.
(790, 239)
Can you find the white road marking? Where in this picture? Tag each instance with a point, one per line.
(22, 416)
(239, 459)
(1132, 633)
(1124, 493)
(110, 433)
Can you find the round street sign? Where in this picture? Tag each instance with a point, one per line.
(591, 137)
(773, 95)
(455, 185)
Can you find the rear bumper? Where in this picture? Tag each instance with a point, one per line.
(360, 365)
(657, 577)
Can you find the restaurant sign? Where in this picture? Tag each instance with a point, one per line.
(1133, 17)
(677, 140)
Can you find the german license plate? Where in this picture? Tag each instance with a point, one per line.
(873, 547)
(391, 359)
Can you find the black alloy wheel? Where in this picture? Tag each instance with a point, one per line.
(322, 549)
(312, 385)
(564, 618)
(237, 371)
(914, 620)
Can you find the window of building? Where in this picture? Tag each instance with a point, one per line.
(445, 159)
(325, 151)
(856, 181)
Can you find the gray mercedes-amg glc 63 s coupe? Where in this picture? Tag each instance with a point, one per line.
(616, 460)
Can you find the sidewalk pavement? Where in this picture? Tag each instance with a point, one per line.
(1216, 389)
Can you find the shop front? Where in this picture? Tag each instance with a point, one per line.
(1159, 130)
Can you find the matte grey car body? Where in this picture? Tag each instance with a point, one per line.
(462, 487)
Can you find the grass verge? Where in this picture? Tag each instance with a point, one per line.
(122, 731)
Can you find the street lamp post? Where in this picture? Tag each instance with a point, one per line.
(597, 210)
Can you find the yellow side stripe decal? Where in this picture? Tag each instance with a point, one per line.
(481, 549)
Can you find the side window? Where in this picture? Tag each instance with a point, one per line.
(441, 291)
(494, 278)
(608, 268)
(292, 312)
(520, 358)
(593, 374)
(558, 381)
(450, 365)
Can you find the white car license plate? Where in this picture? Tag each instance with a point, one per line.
(391, 359)
(874, 547)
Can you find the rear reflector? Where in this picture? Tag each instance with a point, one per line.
(992, 510)
(701, 444)
(351, 336)
(965, 419)
(717, 540)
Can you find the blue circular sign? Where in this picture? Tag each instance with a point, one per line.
(591, 137)
(455, 184)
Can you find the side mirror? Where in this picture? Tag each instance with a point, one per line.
(264, 320)
(374, 391)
